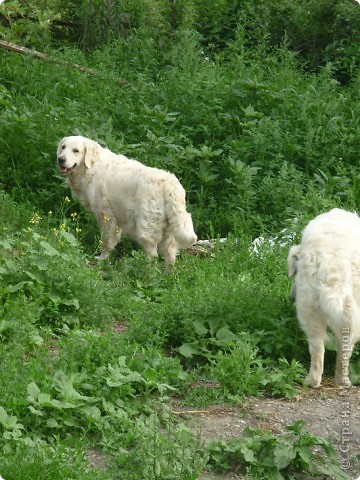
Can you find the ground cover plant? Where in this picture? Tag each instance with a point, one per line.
(92, 353)
(276, 457)
(260, 123)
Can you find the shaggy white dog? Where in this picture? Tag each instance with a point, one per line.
(127, 197)
(326, 271)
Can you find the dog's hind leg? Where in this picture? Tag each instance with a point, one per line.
(314, 325)
(110, 234)
(317, 350)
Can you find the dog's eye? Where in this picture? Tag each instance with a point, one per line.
(76, 150)
(62, 147)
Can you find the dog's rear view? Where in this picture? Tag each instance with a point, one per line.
(326, 270)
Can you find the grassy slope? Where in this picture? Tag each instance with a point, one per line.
(90, 352)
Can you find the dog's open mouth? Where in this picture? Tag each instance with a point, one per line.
(65, 171)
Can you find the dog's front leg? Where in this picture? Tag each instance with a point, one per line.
(110, 234)
(317, 350)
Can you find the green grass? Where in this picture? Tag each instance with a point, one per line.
(50, 463)
(93, 352)
(263, 137)
(262, 145)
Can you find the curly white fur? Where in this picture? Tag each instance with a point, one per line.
(326, 271)
(127, 197)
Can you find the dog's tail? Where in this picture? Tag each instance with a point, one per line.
(179, 220)
(335, 287)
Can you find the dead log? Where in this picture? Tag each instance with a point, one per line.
(42, 56)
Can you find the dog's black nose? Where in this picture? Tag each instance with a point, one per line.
(61, 160)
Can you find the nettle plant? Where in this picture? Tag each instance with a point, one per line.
(46, 282)
(32, 268)
(104, 402)
(263, 455)
(234, 360)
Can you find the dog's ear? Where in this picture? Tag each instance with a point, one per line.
(293, 257)
(91, 152)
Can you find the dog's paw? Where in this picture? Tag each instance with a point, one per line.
(312, 381)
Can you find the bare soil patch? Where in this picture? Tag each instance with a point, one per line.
(332, 413)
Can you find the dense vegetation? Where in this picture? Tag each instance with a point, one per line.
(255, 107)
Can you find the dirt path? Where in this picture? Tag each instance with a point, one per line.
(329, 412)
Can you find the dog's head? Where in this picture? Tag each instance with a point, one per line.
(76, 151)
(292, 258)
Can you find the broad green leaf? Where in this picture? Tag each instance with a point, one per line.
(40, 262)
(60, 404)
(14, 434)
(248, 454)
(225, 335)
(71, 319)
(35, 411)
(70, 396)
(70, 422)
(36, 339)
(48, 249)
(33, 276)
(71, 302)
(284, 455)
(117, 379)
(250, 110)
(200, 328)
(69, 237)
(214, 324)
(12, 423)
(17, 287)
(44, 399)
(7, 244)
(33, 390)
(3, 416)
(296, 427)
(188, 350)
(57, 300)
(91, 412)
(52, 423)
(305, 454)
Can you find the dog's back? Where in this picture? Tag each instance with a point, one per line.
(136, 191)
(328, 264)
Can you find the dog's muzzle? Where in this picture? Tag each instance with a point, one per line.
(65, 170)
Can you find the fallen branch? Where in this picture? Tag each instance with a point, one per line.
(42, 56)
(189, 412)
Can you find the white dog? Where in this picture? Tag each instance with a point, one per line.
(326, 270)
(127, 197)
